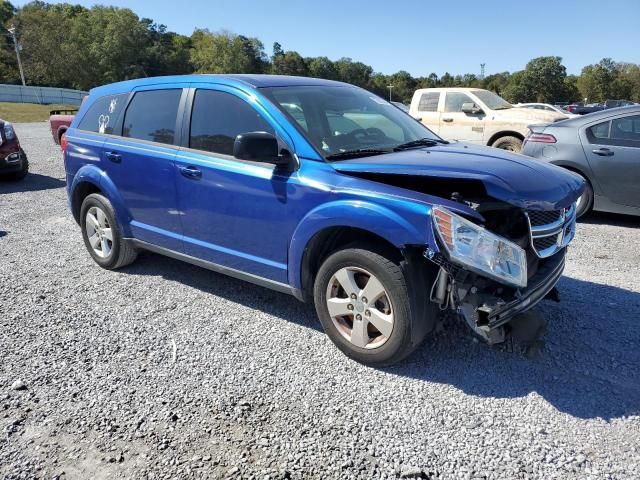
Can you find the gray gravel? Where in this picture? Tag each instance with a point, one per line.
(164, 370)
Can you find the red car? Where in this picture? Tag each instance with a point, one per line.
(59, 121)
(13, 161)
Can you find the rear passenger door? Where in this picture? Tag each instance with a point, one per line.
(140, 162)
(427, 111)
(613, 151)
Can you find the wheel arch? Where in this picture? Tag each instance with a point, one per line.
(90, 179)
(61, 131)
(504, 133)
(330, 227)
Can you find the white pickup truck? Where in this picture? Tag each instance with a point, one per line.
(476, 116)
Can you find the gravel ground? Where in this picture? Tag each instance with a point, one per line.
(165, 370)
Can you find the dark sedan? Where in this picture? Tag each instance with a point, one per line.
(603, 148)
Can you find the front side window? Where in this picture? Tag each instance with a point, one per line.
(626, 129)
(103, 114)
(347, 119)
(217, 118)
(429, 102)
(151, 116)
(454, 101)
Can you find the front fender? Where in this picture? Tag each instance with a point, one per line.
(411, 228)
(97, 177)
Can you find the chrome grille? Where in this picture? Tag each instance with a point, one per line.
(551, 230)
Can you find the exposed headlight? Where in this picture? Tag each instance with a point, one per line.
(9, 133)
(480, 250)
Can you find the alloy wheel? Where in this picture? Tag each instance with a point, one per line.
(360, 308)
(99, 232)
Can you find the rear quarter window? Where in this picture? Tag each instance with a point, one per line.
(102, 116)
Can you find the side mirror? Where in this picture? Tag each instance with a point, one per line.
(258, 147)
(471, 108)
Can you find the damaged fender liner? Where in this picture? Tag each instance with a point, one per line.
(529, 297)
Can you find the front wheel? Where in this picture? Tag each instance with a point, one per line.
(363, 304)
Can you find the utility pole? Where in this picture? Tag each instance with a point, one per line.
(482, 71)
(12, 31)
(390, 87)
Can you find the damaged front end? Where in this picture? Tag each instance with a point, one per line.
(493, 272)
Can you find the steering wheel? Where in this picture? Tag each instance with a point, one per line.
(359, 137)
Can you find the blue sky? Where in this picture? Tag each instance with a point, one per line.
(418, 36)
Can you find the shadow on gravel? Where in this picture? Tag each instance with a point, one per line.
(590, 363)
(238, 291)
(3, 233)
(31, 183)
(613, 219)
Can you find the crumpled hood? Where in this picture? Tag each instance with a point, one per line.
(516, 179)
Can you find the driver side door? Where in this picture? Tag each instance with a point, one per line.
(235, 213)
(457, 125)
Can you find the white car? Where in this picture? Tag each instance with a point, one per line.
(547, 107)
(477, 116)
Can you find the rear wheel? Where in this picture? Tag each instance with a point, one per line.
(102, 235)
(363, 304)
(509, 143)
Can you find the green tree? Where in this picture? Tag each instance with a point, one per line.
(543, 80)
(225, 52)
(289, 63)
(322, 67)
(8, 65)
(356, 73)
(596, 82)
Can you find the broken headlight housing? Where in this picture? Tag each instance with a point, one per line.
(479, 250)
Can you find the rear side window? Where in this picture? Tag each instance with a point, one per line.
(151, 116)
(598, 132)
(103, 114)
(217, 118)
(429, 102)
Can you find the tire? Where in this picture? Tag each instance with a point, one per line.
(585, 202)
(20, 174)
(512, 144)
(373, 347)
(109, 250)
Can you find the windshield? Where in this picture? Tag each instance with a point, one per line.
(340, 120)
(491, 100)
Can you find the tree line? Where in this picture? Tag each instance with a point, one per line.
(66, 45)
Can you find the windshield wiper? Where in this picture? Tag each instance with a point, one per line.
(422, 142)
(361, 152)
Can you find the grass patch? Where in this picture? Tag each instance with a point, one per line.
(29, 112)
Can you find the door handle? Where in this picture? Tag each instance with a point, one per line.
(448, 120)
(114, 157)
(603, 152)
(190, 172)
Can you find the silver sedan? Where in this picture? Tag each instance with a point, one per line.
(602, 147)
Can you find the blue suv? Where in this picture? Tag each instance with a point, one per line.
(324, 191)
